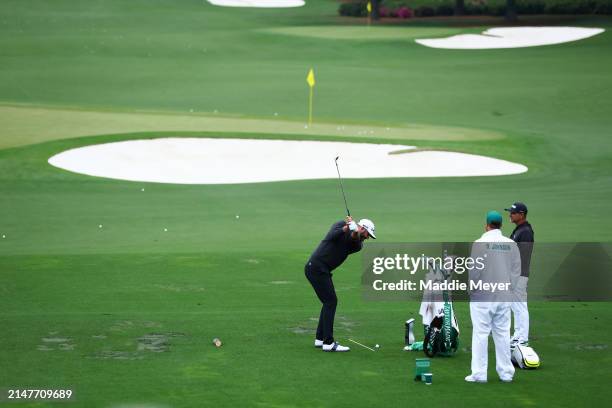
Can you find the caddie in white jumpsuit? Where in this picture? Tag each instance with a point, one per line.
(490, 309)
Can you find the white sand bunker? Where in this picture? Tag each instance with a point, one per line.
(258, 3)
(229, 161)
(512, 37)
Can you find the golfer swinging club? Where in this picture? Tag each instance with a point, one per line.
(343, 239)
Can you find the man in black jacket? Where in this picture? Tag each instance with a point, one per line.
(523, 235)
(344, 238)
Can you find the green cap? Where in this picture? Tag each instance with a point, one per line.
(494, 216)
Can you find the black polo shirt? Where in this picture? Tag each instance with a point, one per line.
(335, 248)
(523, 235)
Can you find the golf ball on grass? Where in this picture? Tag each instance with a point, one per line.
(165, 229)
(377, 346)
(237, 216)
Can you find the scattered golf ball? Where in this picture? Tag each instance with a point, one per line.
(142, 189)
(100, 226)
(237, 216)
(3, 236)
(377, 346)
(165, 229)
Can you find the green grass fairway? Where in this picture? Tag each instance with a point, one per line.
(124, 314)
(28, 125)
(362, 33)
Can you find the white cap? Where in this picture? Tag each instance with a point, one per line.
(368, 225)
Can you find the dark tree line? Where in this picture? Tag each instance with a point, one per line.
(459, 9)
(510, 9)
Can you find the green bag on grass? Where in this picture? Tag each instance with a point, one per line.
(441, 337)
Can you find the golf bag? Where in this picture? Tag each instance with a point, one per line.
(525, 357)
(442, 333)
(440, 324)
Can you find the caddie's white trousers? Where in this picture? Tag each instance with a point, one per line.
(521, 313)
(487, 318)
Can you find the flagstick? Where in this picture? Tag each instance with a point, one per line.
(310, 107)
(310, 80)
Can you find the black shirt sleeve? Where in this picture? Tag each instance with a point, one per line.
(336, 231)
(524, 235)
(356, 245)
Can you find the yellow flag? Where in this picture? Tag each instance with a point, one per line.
(310, 78)
(369, 6)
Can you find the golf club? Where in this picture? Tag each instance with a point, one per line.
(342, 187)
(362, 345)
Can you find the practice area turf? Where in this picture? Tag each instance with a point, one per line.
(125, 313)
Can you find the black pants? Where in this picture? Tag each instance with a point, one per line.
(321, 281)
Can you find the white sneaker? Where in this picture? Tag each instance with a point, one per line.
(335, 347)
(506, 380)
(472, 379)
(318, 343)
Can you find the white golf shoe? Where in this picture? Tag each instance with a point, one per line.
(335, 347)
(472, 379)
(318, 343)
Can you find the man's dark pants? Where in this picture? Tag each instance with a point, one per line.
(321, 281)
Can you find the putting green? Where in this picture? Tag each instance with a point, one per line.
(362, 32)
(27, 125)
